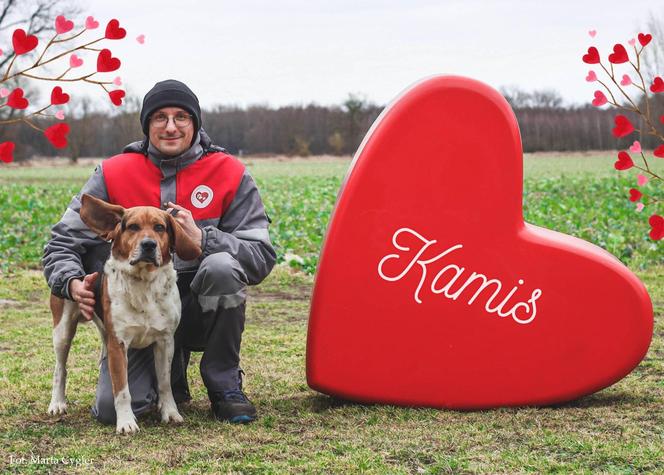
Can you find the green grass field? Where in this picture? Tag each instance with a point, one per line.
(617, 430)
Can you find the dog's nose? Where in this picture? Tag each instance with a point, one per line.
(148, 245)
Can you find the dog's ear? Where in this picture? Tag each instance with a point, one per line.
(101, 217)
(184, 246)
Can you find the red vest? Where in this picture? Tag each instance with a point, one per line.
(206, 187)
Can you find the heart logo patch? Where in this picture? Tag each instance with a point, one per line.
(432, 293)
(201, 196)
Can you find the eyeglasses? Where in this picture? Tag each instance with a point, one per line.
(161, 120)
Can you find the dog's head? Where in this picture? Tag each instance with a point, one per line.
(142, 234)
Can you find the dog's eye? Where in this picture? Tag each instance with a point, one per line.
(134, 227)
(160, 228)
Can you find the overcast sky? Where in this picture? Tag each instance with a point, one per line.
(302, 51)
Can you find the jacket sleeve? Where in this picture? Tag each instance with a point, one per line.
(71, 239)
(243, 233)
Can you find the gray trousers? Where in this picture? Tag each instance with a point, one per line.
(213, 312)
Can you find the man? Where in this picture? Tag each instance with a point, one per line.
(217, 203)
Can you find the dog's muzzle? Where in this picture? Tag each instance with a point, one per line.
(147, 252)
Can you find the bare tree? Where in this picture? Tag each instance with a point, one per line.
(653, 54)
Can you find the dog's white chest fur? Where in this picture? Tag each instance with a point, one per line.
(145, 305)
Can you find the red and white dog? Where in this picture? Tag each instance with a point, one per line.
(139, 298)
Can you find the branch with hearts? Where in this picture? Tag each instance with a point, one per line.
(25, 43)
(632, 94)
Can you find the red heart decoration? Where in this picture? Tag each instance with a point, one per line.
(114, 31)
(619, 54)
(22, 42)
(657, 224)
(62, 25)
(57, 135)
(623, 126)
(600, 99)
(634, 194)
(16, 99)
(659, 151)
(6, 151)
(644, 39)
(557, 317)
(624, 161)
(116, 96)
(201, 196)
(58, 97)
(657, 85)
(106, 62)
(592, 57)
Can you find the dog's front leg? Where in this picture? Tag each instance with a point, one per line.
(163, 357)
(65, 319)
(117, 367)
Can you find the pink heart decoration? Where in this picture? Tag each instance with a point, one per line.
(60, 115)
(1, 52)
(140, 39)
(635, 147)
(626, 80)
(641, 180)
(600, 99)
(592, 33)
(591, 77)
(117, 81)
(90, 23)
(4, 92)
(429, 293)
(639, 207)
(75, 61)
(62, 25)
(632, 42)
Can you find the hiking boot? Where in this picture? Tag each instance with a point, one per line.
(233, 406)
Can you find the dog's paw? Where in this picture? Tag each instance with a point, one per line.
(57, 408)
(171, 415)
(126, 426)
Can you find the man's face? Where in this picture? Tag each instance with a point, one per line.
(170, 131)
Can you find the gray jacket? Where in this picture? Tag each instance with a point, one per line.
(74, 251)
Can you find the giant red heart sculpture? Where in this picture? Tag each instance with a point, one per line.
(432, 292)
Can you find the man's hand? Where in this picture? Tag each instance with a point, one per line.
(186, 221)
(82, 292)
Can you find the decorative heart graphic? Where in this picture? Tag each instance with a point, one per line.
(201, 196)
(58, 97)
(16, 99)
(62, 25)
(657, 227)
(116, 96)
(431, 294)
(140, 39)
(632, 42)
(592, 33)
(114, 31)
(22, 42)
(635, 147)
(591, 77)
(624, 161)
(117, 81)
(60, 115)
(626, 80)
(600, 99)
(657, 85)
(592, 57)
(659, 151)
(6, 151)
(75, 61)
(623, 126)
(641, 180)
(90, 23)
(639, 207)
(57, 135)
(619, 54)
(644, 39)
(634, 194)
(4, 92)
(1, 52)
(106, 62)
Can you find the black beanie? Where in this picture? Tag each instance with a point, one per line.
(170, 93)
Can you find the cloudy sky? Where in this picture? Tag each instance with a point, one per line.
(301, 51)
